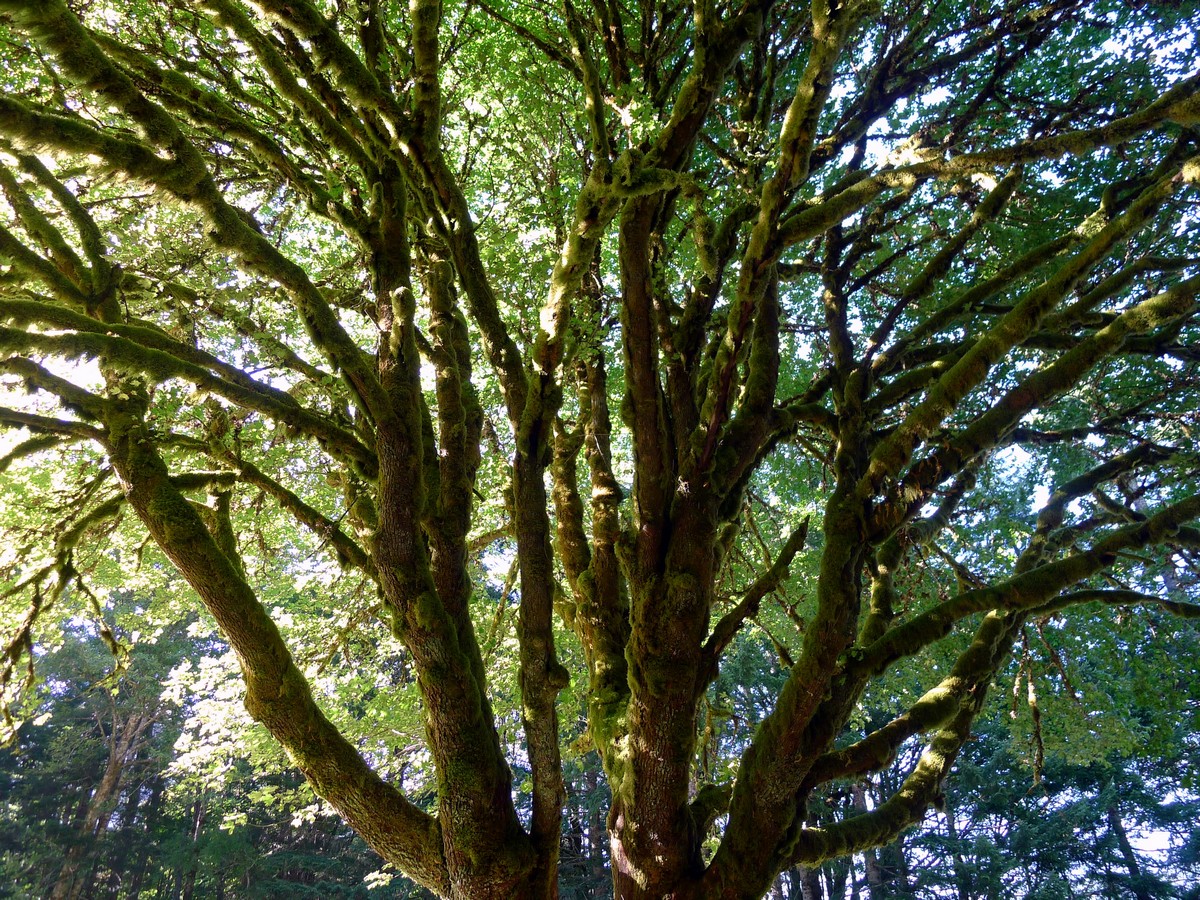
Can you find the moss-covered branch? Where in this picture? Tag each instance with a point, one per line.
(420, 554)
(589, 76)
(1026, 591)
(359, 84)
(1117, 597)
(277, 693)
(988, 430)
(966, 684)
(65, 264)
(325, 121)
(940, 263)
(601, 595)
(1051, 516)
(1013, 328)
(817, 217)
(951, 707)
(571, 541)
(32, 447)
(905, 808)
(90, 238)
(753, 319)
(35, 268)
(111, 345)
(46, 425)
(346, 549)
(459, 414)
(545, 45)
(211, 111)
(228, 309)
(74, 398)
(187, 177)
(952, 311)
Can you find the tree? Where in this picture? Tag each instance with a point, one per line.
(68, 776)
(848, 275)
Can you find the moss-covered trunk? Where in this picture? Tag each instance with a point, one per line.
(655, 837)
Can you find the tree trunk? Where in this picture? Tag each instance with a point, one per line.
(153, 807)
(962, 877)
(810, 883)
(199, 812)
(902, 869)
(876, 878)
(839, 874)
(122, 742)
(1127, 853)
(597, 839)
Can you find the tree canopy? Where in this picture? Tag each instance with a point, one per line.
(733, 390)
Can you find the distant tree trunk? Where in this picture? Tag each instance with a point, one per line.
(962, 878)
(574, 863)
(900, 858)
(575, 845)
(128, 856)
(778, 889)
(122, 744)
(840, 873)
(876, 876)
(150, 817)
(199, 812)
(597, 836)
(810, 883)
(1131, 863)
(87, 884)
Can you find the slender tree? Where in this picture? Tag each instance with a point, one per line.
(592, 282)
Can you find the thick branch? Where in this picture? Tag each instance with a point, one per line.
(277, 693)
(1026, 591)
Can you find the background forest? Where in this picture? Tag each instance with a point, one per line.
(153, 782)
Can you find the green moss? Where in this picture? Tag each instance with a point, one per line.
(174, 515)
